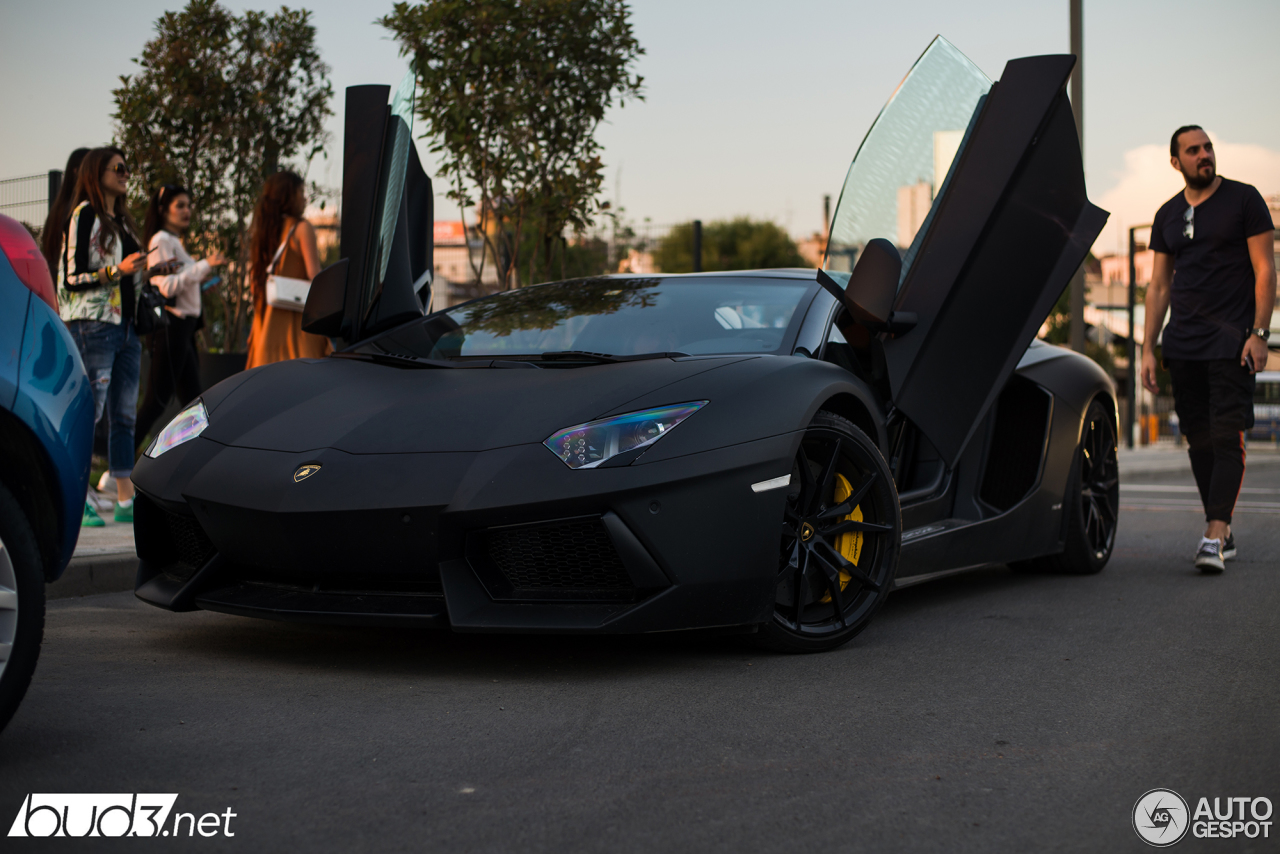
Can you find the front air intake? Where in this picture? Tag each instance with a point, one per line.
(566, 559)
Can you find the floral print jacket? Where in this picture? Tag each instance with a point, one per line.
(82, 295)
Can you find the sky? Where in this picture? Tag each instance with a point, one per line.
(751, 108)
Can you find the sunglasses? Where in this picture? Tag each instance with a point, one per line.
(1189, 223)
(121, 170)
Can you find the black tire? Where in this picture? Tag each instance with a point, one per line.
(1092, 502)
(815, 526)
(21, 604)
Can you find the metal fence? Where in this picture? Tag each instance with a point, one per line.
(27, 198)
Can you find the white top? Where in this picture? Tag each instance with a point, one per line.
(184, 285)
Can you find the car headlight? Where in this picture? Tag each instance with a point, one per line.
(184, 427)
(588, 445)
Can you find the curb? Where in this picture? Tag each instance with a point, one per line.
(90, 574)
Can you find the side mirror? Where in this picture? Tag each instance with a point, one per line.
(872, 288)
(322, 315)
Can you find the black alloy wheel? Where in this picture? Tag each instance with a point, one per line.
(21, 604)
(1092, 502)
(841, 533)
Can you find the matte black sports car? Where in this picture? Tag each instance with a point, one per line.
(773, 451)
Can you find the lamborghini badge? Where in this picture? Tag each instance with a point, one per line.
(305, 471)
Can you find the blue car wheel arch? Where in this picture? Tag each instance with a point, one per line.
(46, 419)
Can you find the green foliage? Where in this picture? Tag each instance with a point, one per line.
(577, 259)
(1059, 332)
(512, 92)
(1059, 320)
(738, 244)
(218, 103)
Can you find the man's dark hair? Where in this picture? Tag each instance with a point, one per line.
(1173, 142)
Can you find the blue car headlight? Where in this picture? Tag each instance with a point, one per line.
(588, 445)
(184, 427)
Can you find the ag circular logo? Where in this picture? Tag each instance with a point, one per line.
(1160, 817)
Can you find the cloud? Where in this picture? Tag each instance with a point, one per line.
(1148, 181)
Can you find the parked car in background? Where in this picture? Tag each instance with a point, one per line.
(46, 440)
(1266, 408)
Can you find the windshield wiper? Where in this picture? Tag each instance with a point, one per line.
(604, 357)
(397, 359)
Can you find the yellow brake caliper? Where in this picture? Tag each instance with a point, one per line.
(848, 544)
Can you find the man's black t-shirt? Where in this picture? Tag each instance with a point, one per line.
(1212, 300)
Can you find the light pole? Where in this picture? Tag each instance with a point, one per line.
(1133, 343)
(697, 246)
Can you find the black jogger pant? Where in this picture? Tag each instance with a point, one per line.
(1214, 401)
(175, 368)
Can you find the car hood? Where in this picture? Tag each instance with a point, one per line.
(363, 407)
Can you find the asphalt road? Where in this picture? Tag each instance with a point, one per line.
(990, 712)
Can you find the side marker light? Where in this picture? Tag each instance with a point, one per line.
(772, 483)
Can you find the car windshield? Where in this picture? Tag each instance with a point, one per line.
(901, 169)
(617, 317)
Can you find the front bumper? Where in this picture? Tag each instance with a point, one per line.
(503, 540)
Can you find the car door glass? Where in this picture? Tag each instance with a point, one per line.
(395, 159)
(901, 169)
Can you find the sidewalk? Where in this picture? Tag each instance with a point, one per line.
(104, 562)
(1172, 457)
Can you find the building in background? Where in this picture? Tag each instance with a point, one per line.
(914, 202)
(456, 249)
(637, 261)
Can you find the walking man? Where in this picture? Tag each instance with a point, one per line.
(1215, 269)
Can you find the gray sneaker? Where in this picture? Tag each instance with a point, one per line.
(1229, 547)
(1209, 556)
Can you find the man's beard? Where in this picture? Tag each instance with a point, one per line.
(1195, 180)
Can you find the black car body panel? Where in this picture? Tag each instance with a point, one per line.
(1003, 243)
(409, 481)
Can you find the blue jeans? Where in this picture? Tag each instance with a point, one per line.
(112, 356)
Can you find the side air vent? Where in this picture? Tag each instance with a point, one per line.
(1017, 444)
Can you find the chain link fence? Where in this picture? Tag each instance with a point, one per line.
(26, 198)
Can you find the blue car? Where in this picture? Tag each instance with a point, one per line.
(46, 441)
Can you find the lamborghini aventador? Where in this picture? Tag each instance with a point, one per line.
(769, 451)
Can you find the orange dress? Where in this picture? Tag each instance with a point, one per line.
(276, 335)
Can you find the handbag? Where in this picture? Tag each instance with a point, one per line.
(282, 291)
(150, 314)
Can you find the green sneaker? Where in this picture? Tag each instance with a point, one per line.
(124, 514)
(91, 519)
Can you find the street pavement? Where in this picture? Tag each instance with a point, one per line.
(987, 712)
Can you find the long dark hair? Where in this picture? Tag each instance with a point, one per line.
(59, 210)
(158, 206)
(275, 203)
(89, 188)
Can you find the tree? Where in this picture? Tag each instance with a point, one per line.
(218, 103)
(512, 93)
(1057, 329)
(737, 244)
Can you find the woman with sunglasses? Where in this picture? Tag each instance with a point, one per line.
(175, 367)
(96, 299)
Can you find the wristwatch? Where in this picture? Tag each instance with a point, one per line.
(1264, 334)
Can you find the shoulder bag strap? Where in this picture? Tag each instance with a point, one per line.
(271, 270)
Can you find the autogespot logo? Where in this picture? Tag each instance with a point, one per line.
(113, 816)
(1160, 817)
